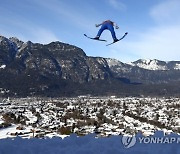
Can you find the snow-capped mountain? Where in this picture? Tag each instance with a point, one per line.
(156, 64)
(66, 68)
(150, 64)
(118, 66)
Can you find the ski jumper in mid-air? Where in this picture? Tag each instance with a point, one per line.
(108, 24)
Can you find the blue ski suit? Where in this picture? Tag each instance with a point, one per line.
(107, 25)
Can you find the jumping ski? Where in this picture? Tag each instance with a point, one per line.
(94, 38)
(118, 39)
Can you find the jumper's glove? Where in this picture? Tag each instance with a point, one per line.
(97, 25)
(117, 27)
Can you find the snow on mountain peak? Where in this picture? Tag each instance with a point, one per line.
(18, 42)
(113, 62)
(177, 67)
(150, 64)
(118, 66)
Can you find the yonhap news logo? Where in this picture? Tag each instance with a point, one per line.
(130, 141)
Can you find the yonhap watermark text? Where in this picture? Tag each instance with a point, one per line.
(159, 140)
(130, 141)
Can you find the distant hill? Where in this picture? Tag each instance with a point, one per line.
(59, 69)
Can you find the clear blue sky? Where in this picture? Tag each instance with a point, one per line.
(153, 25)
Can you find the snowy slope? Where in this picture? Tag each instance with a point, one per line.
(118, 66)
(88, 145)
(2, 66)
(113, 62)
(156, 64)
(150, 64)
(147, 64)
(177, 67)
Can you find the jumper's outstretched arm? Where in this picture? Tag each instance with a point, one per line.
(97, 25)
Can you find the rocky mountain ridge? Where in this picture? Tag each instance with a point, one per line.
(33, 68)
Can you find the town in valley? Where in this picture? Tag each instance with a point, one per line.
(104, 116)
